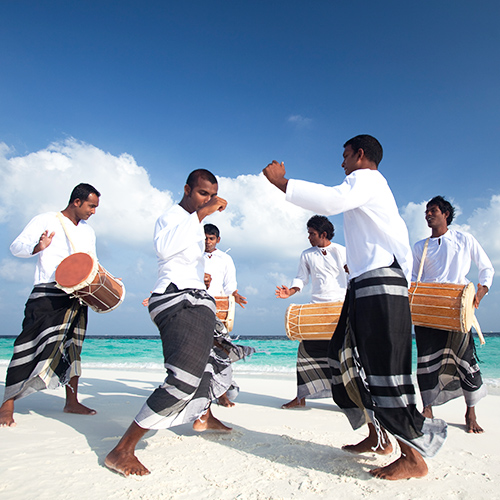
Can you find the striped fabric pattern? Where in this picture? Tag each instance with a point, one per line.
(195, 373)
(313, 370)
(447, 367)
(47, 351)
(370, 358)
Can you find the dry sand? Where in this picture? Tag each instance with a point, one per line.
(271, 453)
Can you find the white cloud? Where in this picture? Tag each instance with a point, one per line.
(299, 121)
(15, 270)
(42, 181)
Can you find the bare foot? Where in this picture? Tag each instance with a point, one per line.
(125, 463)
(78, 408)
(371, 444)
(225, 401)
(7, 414)
(208, 422)
(294, 403)
(427, 412)
(409, 464)
(471, 423)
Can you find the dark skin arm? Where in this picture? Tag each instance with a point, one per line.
(275, 174)
(481, 292)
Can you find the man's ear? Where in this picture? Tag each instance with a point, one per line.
(187, 190)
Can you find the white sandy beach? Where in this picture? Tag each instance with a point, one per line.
(271, 453)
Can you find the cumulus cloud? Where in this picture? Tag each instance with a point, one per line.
(42, 181)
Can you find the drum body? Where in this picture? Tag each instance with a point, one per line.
(312, 321)
(82, 276)
(225, 310)
(444, 306)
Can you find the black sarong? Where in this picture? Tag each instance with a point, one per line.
(186, 320)
(447, 367)
(313, 371)
(370, 358)
(47, 351)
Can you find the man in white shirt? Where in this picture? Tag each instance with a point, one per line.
(370, 351)
(220, 266)
(447, 364)
(324, 264)
(47, 351)
(184, 313)
(220, 273)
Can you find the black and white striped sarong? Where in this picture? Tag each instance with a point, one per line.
(447, 367)
(313, 370)
(186, 320)
(370, 355)
(47, 351)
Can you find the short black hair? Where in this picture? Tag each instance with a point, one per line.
(200, 173)
(321, 224)
(82, 192)
(444, 206)
(371, 147)
(211, 229)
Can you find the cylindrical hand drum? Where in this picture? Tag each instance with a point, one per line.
(444, 306)
(225, 310)
(82, 276)
(312, 321)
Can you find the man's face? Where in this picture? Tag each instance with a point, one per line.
(315, 239)
(84, 209)
(434, 216)
(211, 242)
(201, 194)
(350, 163)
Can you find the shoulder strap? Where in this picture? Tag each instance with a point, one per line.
(424, 253)
(61, 218)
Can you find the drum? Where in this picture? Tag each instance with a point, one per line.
(225, 310)
(82, 276)
(312, 321)
(444, 306)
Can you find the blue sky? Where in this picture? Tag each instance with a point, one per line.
(131, 96)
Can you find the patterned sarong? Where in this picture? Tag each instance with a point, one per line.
(186, 320)
(47, 351)
(370, 358)
(313, 370)
(447, 367)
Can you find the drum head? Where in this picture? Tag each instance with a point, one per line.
(74, 269)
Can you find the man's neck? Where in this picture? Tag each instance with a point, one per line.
(437, 232)
(71, 216)
(324, 245)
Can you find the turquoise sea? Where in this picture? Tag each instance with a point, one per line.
(274, 355)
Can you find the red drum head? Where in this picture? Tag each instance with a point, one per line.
(74, 269)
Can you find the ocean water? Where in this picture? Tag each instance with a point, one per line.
(274, 355)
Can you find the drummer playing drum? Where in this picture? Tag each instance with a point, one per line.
(325, 265)
(49, 310)
(447, 260)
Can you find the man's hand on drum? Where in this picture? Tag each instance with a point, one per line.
(275, 174)
(44, 242)
(215, 204)
(481, 292)
(239, 299)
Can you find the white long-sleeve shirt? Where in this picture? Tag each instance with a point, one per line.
(82, 236)
(449, 257)
(179, 241)
(327, 274)
(374, 231)
(221, 268)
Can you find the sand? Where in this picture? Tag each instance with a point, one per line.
(271, 453)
